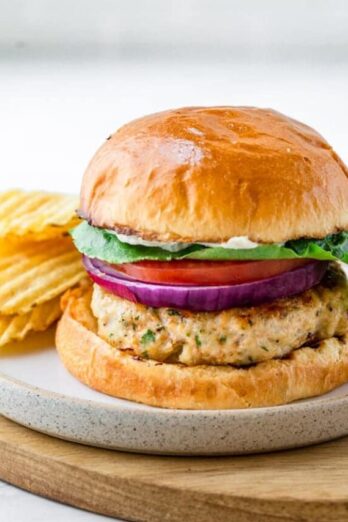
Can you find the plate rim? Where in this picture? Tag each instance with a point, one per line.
(262, 411)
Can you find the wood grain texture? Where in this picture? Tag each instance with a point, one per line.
(301, 485)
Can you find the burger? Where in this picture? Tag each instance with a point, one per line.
(213, 238)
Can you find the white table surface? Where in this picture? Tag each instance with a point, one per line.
(17, 505)
(54, 115)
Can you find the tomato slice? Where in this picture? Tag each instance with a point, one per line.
(207, 272)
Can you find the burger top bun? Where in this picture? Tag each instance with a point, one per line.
(211, 173)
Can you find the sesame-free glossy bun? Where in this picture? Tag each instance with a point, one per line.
(211, 173)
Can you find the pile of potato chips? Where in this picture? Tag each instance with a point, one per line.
(38, 261)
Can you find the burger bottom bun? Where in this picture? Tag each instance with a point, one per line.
(306, 372)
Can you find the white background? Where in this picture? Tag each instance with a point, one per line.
(72, 71)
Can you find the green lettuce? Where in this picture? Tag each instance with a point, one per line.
(103, 244)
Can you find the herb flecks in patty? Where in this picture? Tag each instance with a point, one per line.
(148, 337)
(198, 341)
(173, 311)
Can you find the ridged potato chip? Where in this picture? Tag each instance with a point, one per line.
(33, 273)
(36, 215)
(16, 327)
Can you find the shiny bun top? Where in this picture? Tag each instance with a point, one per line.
(211, 173)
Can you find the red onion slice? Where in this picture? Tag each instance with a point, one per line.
(206, 298)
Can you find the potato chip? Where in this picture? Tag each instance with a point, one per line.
(36, 215)
(16, 327)
(33, 273)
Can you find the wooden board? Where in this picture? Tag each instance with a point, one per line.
(310, 484)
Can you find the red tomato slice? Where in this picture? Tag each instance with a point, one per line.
(207, 272)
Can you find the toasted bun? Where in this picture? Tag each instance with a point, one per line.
(209, 174)
(305, 373)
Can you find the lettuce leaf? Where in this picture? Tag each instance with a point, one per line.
(102, 244)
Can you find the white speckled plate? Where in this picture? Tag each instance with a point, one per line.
(36, 391)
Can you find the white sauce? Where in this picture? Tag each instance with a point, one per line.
(235, 243)
(135, 240)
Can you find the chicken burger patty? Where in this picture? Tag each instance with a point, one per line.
(238, 336)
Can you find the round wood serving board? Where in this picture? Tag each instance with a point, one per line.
(310, 484)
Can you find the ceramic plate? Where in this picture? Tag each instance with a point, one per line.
(36, 391)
